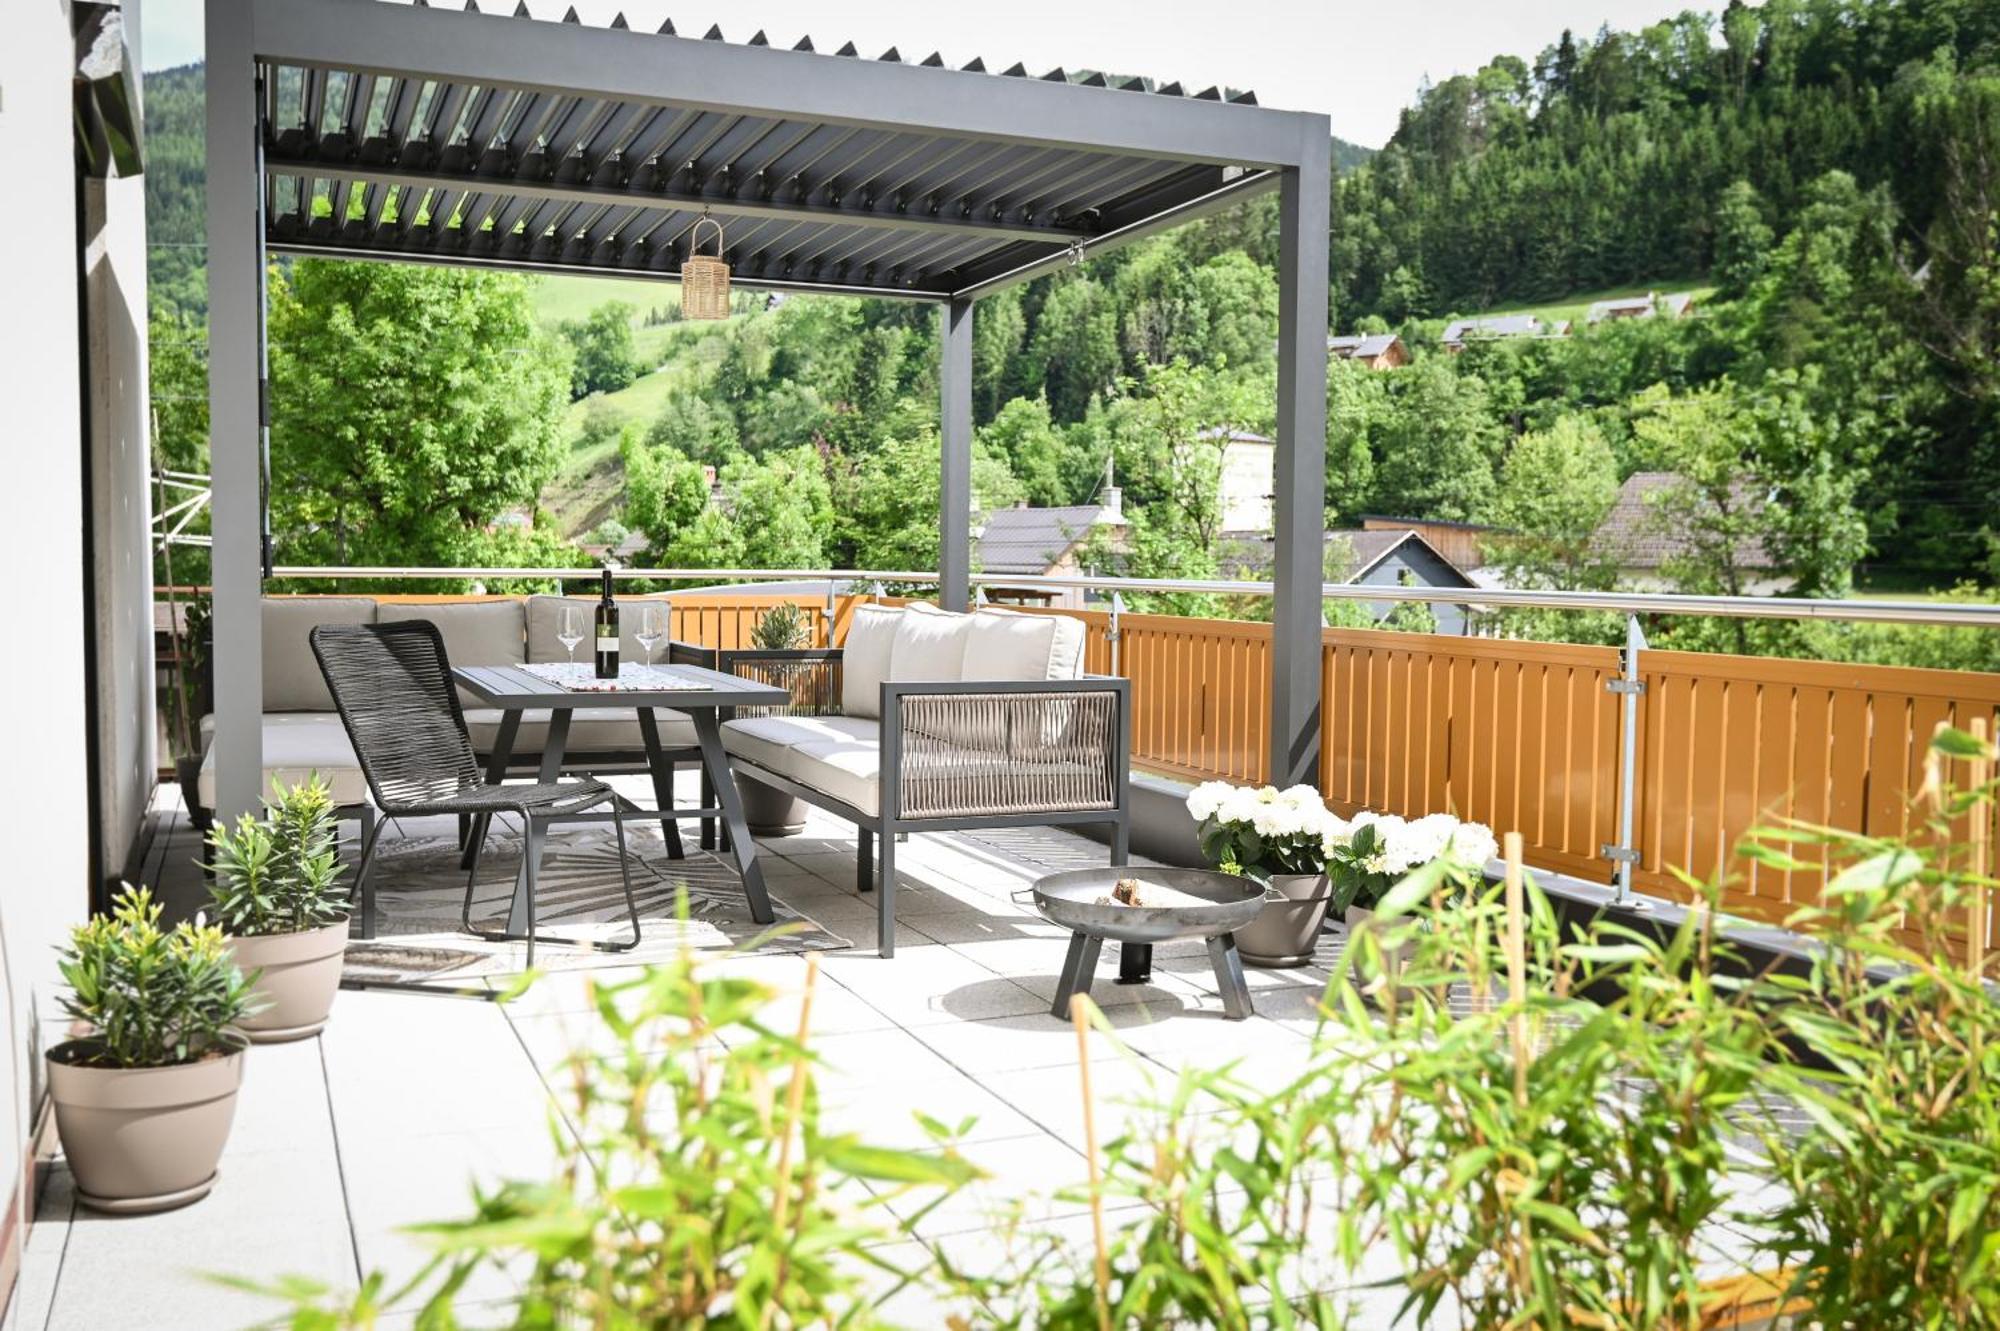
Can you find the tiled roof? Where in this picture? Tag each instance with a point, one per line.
(1499, 325)
(1251, 552)
(1029, 540)
(1638, 534)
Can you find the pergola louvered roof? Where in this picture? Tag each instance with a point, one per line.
(397, 131)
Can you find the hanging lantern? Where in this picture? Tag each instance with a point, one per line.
(704, 277)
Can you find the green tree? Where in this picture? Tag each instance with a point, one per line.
(782, 508)
(605, 359)
(1556, 488)
(1435, 444)
(1075, 346)
(410, 406)
(1033, 448)
(1742, 239)
(664, 491)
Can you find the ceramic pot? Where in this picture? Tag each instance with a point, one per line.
(143, 1139)
(770, 811)
(296, 975)
(1287, 928)
(187, 772)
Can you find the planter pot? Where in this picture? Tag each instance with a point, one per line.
(187, 773)
(1285, 931)
(297, 975)
(1362, 920)
(143, 1139)
(770, 811)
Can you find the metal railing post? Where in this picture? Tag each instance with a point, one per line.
(1629, 687)
(1112, 633)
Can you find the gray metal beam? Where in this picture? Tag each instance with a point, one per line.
(235, 358)
(764, 81)
(955, 471)
(1009, 268)
(388, 174)
(1300, 489)
(334, 249)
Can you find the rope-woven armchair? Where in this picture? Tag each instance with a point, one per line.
(959, 756)
(392, 685)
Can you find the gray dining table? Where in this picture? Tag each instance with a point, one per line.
(700, 693)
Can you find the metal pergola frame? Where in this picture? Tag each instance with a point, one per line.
(372, 130)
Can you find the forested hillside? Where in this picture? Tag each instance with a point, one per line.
(1824, 170)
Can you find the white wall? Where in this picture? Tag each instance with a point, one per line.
(43, 886)
(115, 266)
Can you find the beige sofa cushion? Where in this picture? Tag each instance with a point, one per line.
(591, 730)
(292, 679)
(871, 636)
(930, 645)
(296, 745)
(840, 755)
(476, 633)
(545, 627)
(1008, 645)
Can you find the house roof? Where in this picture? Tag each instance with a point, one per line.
(1361, 550)
(425, 134)
(1234, 436)
(1497, 325)
(1029, 540)
(1676, 303)
(1638, 535)
(1360, 346)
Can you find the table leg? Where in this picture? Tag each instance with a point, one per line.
(496, 772)
(1135, 963)
(518, 915)
(663, 781)
(716, 763)
(1078, 967)
(1229, 982)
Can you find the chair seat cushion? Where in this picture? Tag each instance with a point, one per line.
(591, 730)
(296, 745)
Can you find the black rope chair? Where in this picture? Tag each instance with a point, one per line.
(393, 687)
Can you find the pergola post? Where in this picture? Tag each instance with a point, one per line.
(235, 404)
(955, 443)
(1300, 491)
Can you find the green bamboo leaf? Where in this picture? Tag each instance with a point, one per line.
(1880, 872)
(1955, 743)
(1968, 1207)
(886, 1165)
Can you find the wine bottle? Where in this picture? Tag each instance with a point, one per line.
(607, 633)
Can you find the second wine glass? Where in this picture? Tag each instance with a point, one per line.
(571, 632)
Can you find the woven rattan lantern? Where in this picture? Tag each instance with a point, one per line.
(705, 278)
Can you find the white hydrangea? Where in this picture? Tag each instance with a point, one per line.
(1206, 798)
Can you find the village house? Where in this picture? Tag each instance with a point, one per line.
(1362, 557)
(1640, 537)
(1675, 305)
(1378, 351)
(1049, 541)
(1460, 331)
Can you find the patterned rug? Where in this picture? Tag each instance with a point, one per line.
(419, 889)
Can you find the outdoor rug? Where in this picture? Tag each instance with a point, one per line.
(419, 889)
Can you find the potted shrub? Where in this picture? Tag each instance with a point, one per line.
(766, 810)
(1372, 852)
(274, 886)
(1277, 838)
(144, 1101)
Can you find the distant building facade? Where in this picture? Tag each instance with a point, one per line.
(1364, 557)
(1035, 541)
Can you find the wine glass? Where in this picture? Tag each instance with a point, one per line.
(571, 633)
(650, 630)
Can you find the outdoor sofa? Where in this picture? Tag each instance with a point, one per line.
(303, 734)
(927, 721)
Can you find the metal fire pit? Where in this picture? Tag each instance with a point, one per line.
(1072, 900)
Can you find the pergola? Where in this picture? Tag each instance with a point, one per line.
(365, 129)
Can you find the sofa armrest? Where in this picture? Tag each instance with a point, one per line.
(811, 675)
(987, 748)
(691, 653)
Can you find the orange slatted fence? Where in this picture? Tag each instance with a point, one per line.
(1727, 743)
(1521, 736)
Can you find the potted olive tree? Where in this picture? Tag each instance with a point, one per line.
(274, 886)
(144, 1101)
(1279, 839)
